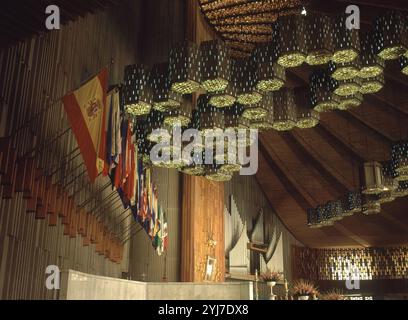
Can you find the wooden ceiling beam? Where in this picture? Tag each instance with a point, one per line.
(338, 143)
(365, 126)
(303, 199)
(305, 152)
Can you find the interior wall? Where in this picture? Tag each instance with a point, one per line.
(202, 232)
(144, 262)
(33, 75)
(163, 25)
(249, 200)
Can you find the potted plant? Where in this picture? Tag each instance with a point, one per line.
(271, 277)
(303, 289)
(335, 294)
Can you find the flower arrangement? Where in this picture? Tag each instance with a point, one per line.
(271, 276)
(304, 288)
(335, 294)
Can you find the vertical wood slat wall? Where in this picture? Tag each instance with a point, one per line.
(34, 75)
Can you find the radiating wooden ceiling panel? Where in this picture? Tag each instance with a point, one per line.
(22, 19)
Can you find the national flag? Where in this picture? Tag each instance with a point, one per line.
(85, 108)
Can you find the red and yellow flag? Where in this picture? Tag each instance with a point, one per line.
(86, 110)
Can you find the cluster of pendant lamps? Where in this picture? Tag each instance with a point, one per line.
(382, 183)
(250, 93)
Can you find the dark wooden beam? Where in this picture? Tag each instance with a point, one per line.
(338, 143)
(303, 199)
(369, 129)
(307, 154)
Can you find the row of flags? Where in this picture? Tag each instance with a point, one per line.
(108, 146)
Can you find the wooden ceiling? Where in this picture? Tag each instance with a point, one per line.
(21, 19)
(300, 169)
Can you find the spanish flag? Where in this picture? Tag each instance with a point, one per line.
(86, 110)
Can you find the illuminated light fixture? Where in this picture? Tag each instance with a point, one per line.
(233, 117)
(350, 102)
(390, 184)
(137, 95)
(213, 173)
(346, 41)
(269, 74)
(208, 119)
(347, 87)
(163, 98)
(319, 39)
(143, 145)
(402, 189)
(154, 122)
(325, 214)
(404, 65)
(244, 80)
(306, 117)
(313, 219)
(371, 64)
(224, 99)
(351, 203)
(372, 85)
(290, 39)
(336, 210)
(399, 156)
(346, 70)
(391, 36)
(264, 123)
(230, 167)
(284, 110)
(215, 66)
(371, 204)
(260, 110)
(195, 167)
(303, 12)
(179, 117)
(170, 161)
(321, 92)
(184, 63)
(372, 178)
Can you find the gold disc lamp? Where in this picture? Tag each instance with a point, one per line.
(270, 76)
(184, 68)
(215, 66)
(372, 65)
(137, 95)
(321, 92)
(345, 70)
(391, 35)
(163, 98)
(399, 156)
(290, 38)
(346, 41)
(350, 102)
(372, 85)
(244, 80)
(319, 39)
(404, 65)
(284, 110)
(306, 117)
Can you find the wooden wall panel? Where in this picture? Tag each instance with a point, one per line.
(202, 222)
(34, 75)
